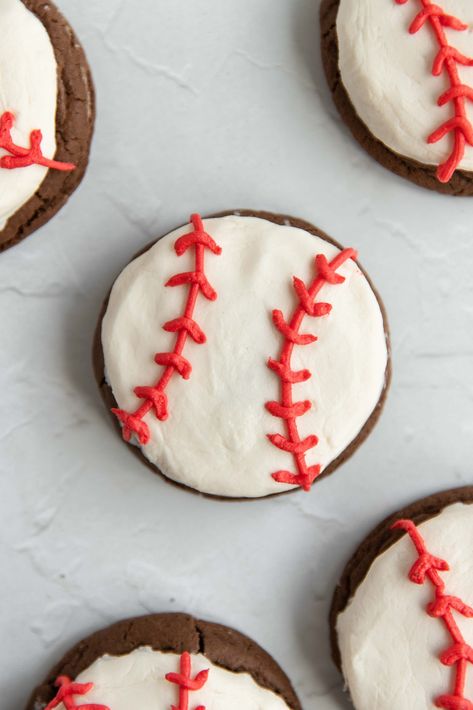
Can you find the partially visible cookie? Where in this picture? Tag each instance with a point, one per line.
(245, 355)
(402, 614)
(162, 661)
(401, 75)
(47, 112)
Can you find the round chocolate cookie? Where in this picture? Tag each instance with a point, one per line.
(167, 660)
(401, 76)
(206, 355)
(402, 613)
(47, 113)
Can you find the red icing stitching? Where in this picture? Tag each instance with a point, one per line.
(154, 397)
(287, 409)
(24, 157)
(459, 654)
(447, 59)
(186, 683)
(67, 688)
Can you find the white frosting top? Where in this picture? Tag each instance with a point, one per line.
(215, 439)
(390, 646)
(137, 681)
(387, 73)
(28, 89)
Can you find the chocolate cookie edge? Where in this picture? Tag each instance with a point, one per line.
(378, 541)
(460, 185)
(110, 402)
(75, 120)
(172, 633)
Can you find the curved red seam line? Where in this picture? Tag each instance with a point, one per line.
(68, 688)
(186, 683)
(460, 653)
(287, 409)
(155, 397)
(24, 157)
(448, 57)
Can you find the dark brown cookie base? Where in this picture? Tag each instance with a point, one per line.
(74, 127)
(461, 183)
(377, 542)
(110, 402)
(172, 633)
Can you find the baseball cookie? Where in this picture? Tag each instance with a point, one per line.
(207, 355)
(402, 615)
(166, 662)
(401, 75)
(46, 115)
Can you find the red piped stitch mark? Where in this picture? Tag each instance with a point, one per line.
(447, 59)
(186, 683)
(178, 362)
(459, 654)
(287, 409)
(288, 375)
(67, 689)
(194, 278)
(24, 157)
(155, 398)
(184, 323)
